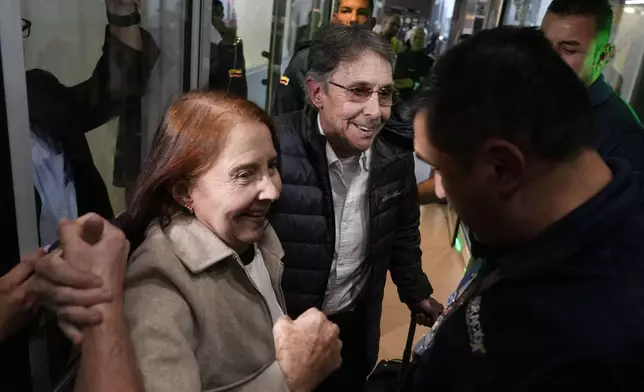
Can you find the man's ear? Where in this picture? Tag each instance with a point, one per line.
(315, 90)
(181, 193)
(606, 55)
(506, 164)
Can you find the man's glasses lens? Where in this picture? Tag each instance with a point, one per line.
(386, 96)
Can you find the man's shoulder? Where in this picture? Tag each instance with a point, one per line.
(399, 136)
(299, 60)
(290, 127)
(621, 134)
(618, 115)
(288, 121)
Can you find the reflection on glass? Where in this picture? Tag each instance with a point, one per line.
(227, 62)
(67, 99)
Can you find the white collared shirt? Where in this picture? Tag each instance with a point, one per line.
(258, 274)
(57, 195)
(349, 178)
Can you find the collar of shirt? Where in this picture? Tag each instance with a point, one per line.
(332, 158)
(566, 236)
(599, 91)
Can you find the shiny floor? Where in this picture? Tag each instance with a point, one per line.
(443, 265)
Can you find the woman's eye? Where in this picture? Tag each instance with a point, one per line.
(569, 51)
(244, 175)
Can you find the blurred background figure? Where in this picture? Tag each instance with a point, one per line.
(431, 44)
(390, 31)
(227, 63)
(413, 65)
(289, 96)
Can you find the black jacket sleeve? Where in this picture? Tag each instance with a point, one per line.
(406, 265)
(120, 76)
(289, 95)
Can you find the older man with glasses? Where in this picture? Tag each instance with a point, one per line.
(349, 212)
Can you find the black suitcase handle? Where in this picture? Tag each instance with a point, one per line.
(406, 359)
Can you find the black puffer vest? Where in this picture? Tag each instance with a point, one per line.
(304, 220)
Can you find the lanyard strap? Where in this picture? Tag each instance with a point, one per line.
(471, 286)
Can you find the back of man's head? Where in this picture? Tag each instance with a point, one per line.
(507, 83)
(600, 10)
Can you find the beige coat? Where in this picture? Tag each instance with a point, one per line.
(196, 320)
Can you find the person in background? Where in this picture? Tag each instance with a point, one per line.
(430, 49)
(390, 31)
(204, 285)
(66, 181)
(564, 227)
(17, 298)
(349, 211)
(290, 94)
(227, 62)
(580, 32)
(413, 66)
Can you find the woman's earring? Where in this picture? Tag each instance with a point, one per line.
(190, 210)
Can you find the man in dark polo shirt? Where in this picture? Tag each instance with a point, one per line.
(580, 32)
(557, 302)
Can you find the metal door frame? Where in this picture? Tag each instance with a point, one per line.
(274, 70)
(15, 85)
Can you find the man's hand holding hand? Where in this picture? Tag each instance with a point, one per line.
(17, 299)
(84, 280)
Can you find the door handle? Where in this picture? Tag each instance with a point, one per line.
(266, 54)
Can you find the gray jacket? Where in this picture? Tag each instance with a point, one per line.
(196, 320)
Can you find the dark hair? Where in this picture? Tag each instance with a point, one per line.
(336, 43)
(507, 83)
(186, 145)
(463, 37)
(599, 9)
(217, 6)
(337, 5)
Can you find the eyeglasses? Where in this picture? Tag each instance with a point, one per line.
(361, 94)
(26, 28)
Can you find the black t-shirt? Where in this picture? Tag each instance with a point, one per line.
(566, 312)
(619, 133)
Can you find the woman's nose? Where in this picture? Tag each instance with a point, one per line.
(269, 189)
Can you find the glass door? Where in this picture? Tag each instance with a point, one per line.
(251, 42)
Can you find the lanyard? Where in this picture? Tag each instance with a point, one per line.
(470, 286)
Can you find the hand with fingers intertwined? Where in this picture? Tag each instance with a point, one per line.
(83, 279)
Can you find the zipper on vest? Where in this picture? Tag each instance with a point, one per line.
(280, 272)
(266, 307)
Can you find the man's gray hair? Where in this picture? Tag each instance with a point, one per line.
(334, 44)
